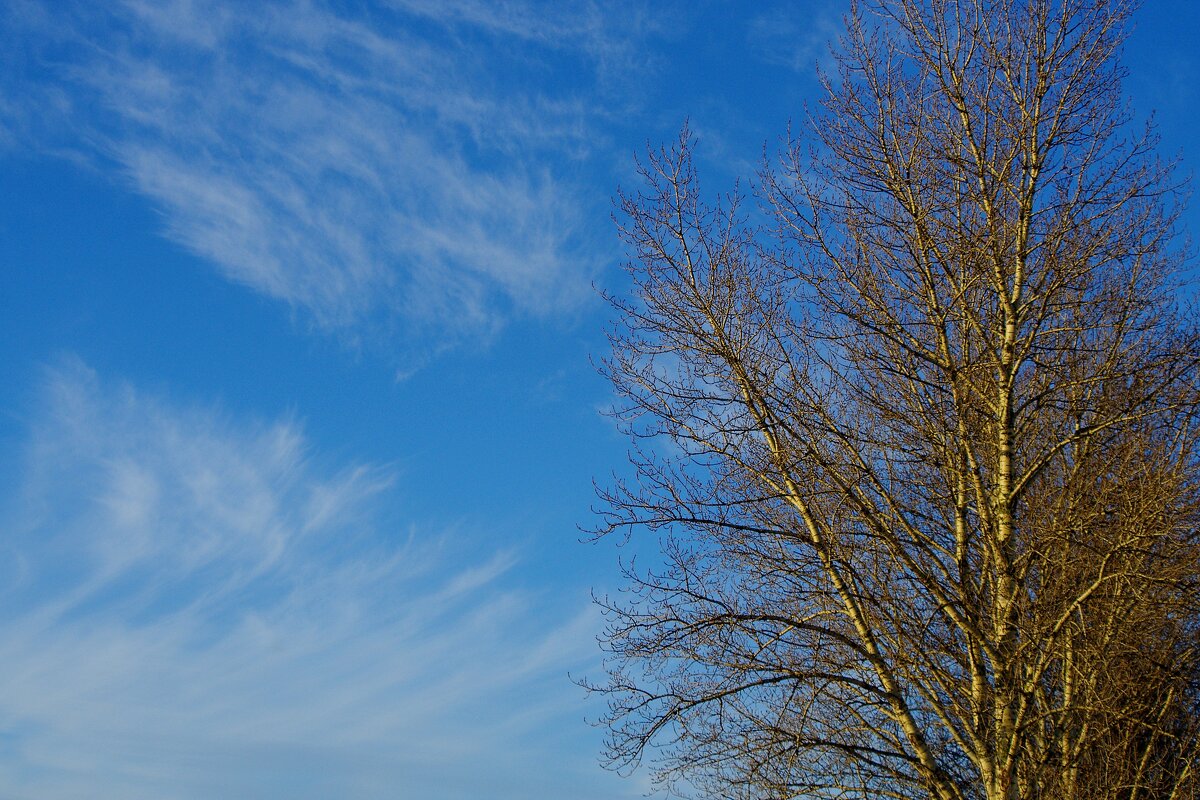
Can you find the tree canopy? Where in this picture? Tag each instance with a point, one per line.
(921, 445)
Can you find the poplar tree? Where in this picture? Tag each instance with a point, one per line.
(921, 447)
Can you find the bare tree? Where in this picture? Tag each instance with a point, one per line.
(921, 449)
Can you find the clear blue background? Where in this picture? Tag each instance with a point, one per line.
(297, 413)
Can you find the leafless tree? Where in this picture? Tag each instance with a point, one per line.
(921, 449)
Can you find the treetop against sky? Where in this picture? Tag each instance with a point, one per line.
(296, 396)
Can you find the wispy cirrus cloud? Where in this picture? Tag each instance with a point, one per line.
(409, 165)
(196, 606)
(797, 38)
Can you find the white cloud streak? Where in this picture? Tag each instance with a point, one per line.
(413, 167)
(193, 606)
(796, 39)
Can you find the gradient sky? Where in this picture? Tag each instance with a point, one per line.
(297, 413)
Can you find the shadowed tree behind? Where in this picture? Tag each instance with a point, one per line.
(921, 450)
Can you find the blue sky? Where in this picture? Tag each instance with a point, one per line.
(297, 416)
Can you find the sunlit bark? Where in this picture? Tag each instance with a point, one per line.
(921, 448)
